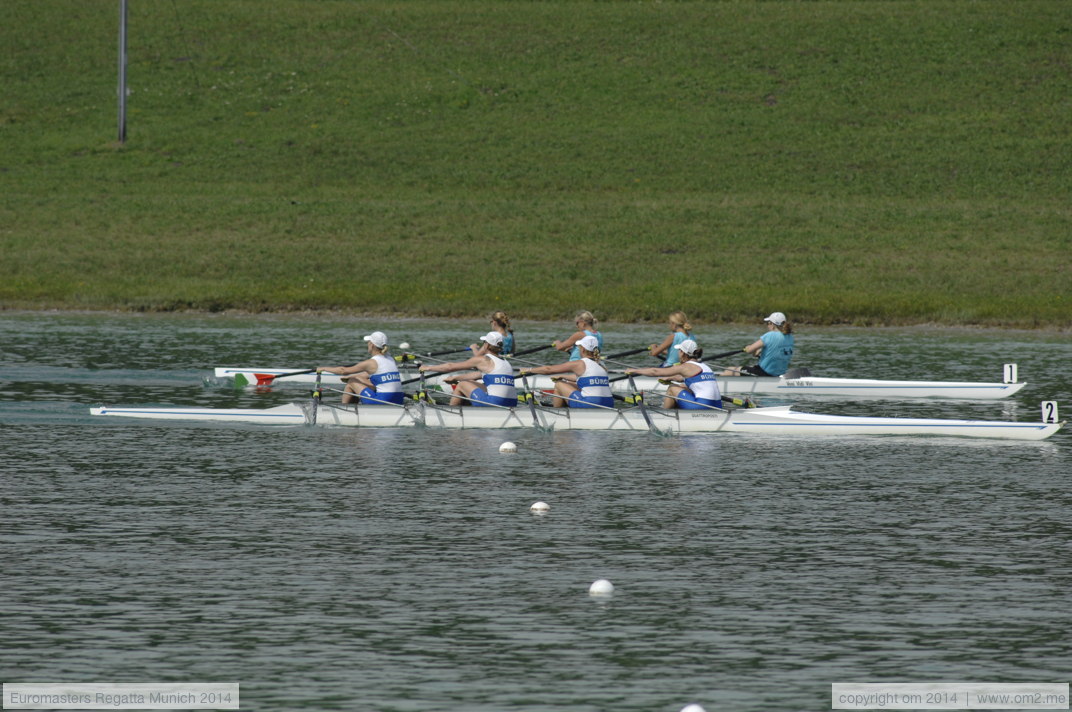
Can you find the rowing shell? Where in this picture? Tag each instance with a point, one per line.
(740, 385)
(781, 420)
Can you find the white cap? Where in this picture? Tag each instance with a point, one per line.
(688, 347)
(588, 342)
(378, 339)
(493, 338)
(776, 318)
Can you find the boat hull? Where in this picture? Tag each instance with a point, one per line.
(810, 386)
(780, 420)
(290, 414)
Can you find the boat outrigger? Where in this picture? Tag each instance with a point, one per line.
(796, 383)
(781, 420)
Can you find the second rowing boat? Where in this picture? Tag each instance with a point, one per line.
(793, 387)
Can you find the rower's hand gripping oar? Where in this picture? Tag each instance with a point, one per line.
(412, 356)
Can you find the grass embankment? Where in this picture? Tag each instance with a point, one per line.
(861, 162)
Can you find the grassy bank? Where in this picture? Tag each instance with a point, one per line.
(859, 162)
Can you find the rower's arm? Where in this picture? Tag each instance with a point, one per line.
(566, 367)
(368, 366)
(661, 348)
(569, 342)
(473, 362)
(657, 371)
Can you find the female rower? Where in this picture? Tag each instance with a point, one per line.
(699, 390)
(774, 349)
(491, 384)
(680, 329)
(375, 380)
(586, 326)
(500, 323)
(590, 388)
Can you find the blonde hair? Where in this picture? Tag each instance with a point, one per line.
(586, 317)
(679, 321)
(594, 352)
(500, 317)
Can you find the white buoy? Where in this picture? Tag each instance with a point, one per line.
(540, 507)
(693, 708)
(508, 447)
(601, 587)
(404, 345)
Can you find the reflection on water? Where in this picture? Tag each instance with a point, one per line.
(401, 569)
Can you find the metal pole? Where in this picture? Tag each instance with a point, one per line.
(122, 71)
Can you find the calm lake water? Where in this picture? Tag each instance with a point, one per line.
(336, 569)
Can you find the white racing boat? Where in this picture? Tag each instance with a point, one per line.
(792, 387)
(780, 420)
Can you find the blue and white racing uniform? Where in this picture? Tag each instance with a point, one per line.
(386, 383)
(498, 385)
(594, 387)
(702, 393)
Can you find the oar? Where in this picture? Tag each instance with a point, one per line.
(532, 402)
(623, 354)
(726, 355)
(317, 393)
(533, 350)
(436, 353)
(644, 408)
(265, 379)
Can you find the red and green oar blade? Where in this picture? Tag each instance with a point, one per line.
(265, 379)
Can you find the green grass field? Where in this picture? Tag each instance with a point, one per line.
(845, 162)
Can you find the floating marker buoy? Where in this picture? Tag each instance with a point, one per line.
(508, 447)
(404, 345)
(540, 507)
(693, 708)
(601, 587)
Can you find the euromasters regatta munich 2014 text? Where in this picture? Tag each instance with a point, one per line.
(103, 698)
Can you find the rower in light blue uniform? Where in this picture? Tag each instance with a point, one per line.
(590, 388)
(586, 326)
(500, 323)
(696, 387)
(680, 329)
(491, 384)
(375, 381)
(774, 349)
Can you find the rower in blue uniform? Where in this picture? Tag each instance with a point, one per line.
(590, 388)
(774, 349)
(490, 384)
(375, 381)
(697, 388)
(586, 326)
(500, 323)
(680, 329)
